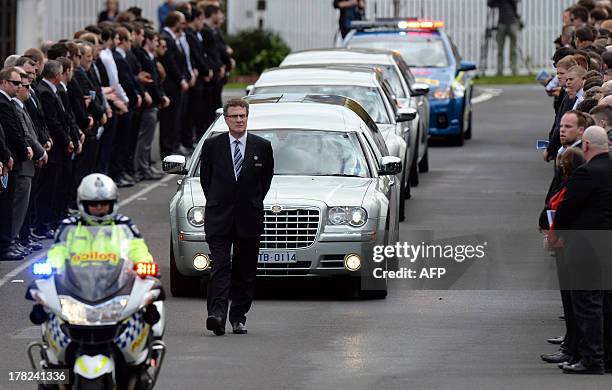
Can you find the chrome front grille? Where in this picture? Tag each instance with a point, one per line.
(291, 228)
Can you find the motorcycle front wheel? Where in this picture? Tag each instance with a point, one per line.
(105, 382)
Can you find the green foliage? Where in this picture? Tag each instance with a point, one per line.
(257, 50)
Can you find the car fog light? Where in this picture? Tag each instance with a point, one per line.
(352, 262)
(201, 262)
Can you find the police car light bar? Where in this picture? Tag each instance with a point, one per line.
(403, 24)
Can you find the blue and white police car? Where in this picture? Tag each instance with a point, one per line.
(434, 60)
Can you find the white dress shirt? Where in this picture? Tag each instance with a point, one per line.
(106, 56)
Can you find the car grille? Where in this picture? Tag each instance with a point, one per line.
(290, 229)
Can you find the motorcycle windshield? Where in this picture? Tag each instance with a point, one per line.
(97, 264)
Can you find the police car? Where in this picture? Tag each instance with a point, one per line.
(434, 60)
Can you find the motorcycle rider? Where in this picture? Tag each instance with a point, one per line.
(97, 204)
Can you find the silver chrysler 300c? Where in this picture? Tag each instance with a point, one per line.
(334, 196)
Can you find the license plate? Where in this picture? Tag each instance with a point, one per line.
(277, 257)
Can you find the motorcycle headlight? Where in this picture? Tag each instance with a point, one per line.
(353, 216)
(441, 94)
(78, 313)
(195, 216)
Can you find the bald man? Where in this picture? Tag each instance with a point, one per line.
(584, 219)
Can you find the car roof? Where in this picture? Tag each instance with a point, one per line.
(301, 111)
(340, 55)
(366, 76)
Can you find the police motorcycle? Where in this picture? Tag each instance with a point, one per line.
(99, 307)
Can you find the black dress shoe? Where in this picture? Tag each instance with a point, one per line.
(155, 170)
(581, 368)
(239, 328)
(10, 255)
(557, 357)
(556, 340)
(15, 246)
(149, 175)
(216, 325)
(43, 234)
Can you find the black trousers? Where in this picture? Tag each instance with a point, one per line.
(232, 277)
(593, 309)
(106, 145)
(570, 344)
(121, 145)
(51, 195)
(170, 122)
(31, 218)
(7, 196)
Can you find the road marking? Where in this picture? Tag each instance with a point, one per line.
(487, 94)
(17, 270)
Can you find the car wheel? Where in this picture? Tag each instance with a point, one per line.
(181, 285)
(468, 131)
(458, 140)
(414, 169)
(424, 163)
(402, 198)
(377, 291)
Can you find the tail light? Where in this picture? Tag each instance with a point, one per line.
(146, 269)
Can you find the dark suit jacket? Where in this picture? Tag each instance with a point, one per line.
(35, 110)
(73, 126)
(126, 78)
(588, 201)
(96, 107)
(5, 153)
(13, 131)
(148, 65)
(231, 202)
(174, 62)
(554, 136)
(77, 103)
(57, 122)
(27, 166)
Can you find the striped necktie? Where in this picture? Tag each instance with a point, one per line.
(237, 159)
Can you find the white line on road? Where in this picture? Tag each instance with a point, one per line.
(488, 94)
(17, 270)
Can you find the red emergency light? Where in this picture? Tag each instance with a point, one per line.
(146, 269)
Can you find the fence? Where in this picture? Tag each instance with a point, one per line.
(308, 24)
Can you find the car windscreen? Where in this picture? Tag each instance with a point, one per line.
(368, 97)
(418, 50)
(314, 153)
(391, 74)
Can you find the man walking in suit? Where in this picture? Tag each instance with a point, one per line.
(588, 206)
(236, 173)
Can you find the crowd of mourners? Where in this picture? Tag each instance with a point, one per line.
(92, 103)
(577, 217)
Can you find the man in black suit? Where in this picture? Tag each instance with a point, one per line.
(588, 206)
(63, 146)
(175, 85)
(10, 82)
(236, 173)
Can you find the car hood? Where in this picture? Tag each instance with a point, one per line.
(436, 78)
(332, 190)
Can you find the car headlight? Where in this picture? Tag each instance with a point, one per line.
(195, 216)
(353, 216)
(441, 94)
(78, 313)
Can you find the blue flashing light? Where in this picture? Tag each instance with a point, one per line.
(42, 269)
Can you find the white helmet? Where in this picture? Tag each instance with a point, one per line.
(94, 188)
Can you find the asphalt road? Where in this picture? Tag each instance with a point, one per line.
(478, 335)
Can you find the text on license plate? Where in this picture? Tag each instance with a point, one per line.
(277, 257)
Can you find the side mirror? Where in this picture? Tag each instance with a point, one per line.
(405, 114)
(219, 111)
(174, 164)
(466, 66)
(249, 88)
(419, 89)
(390, 165)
